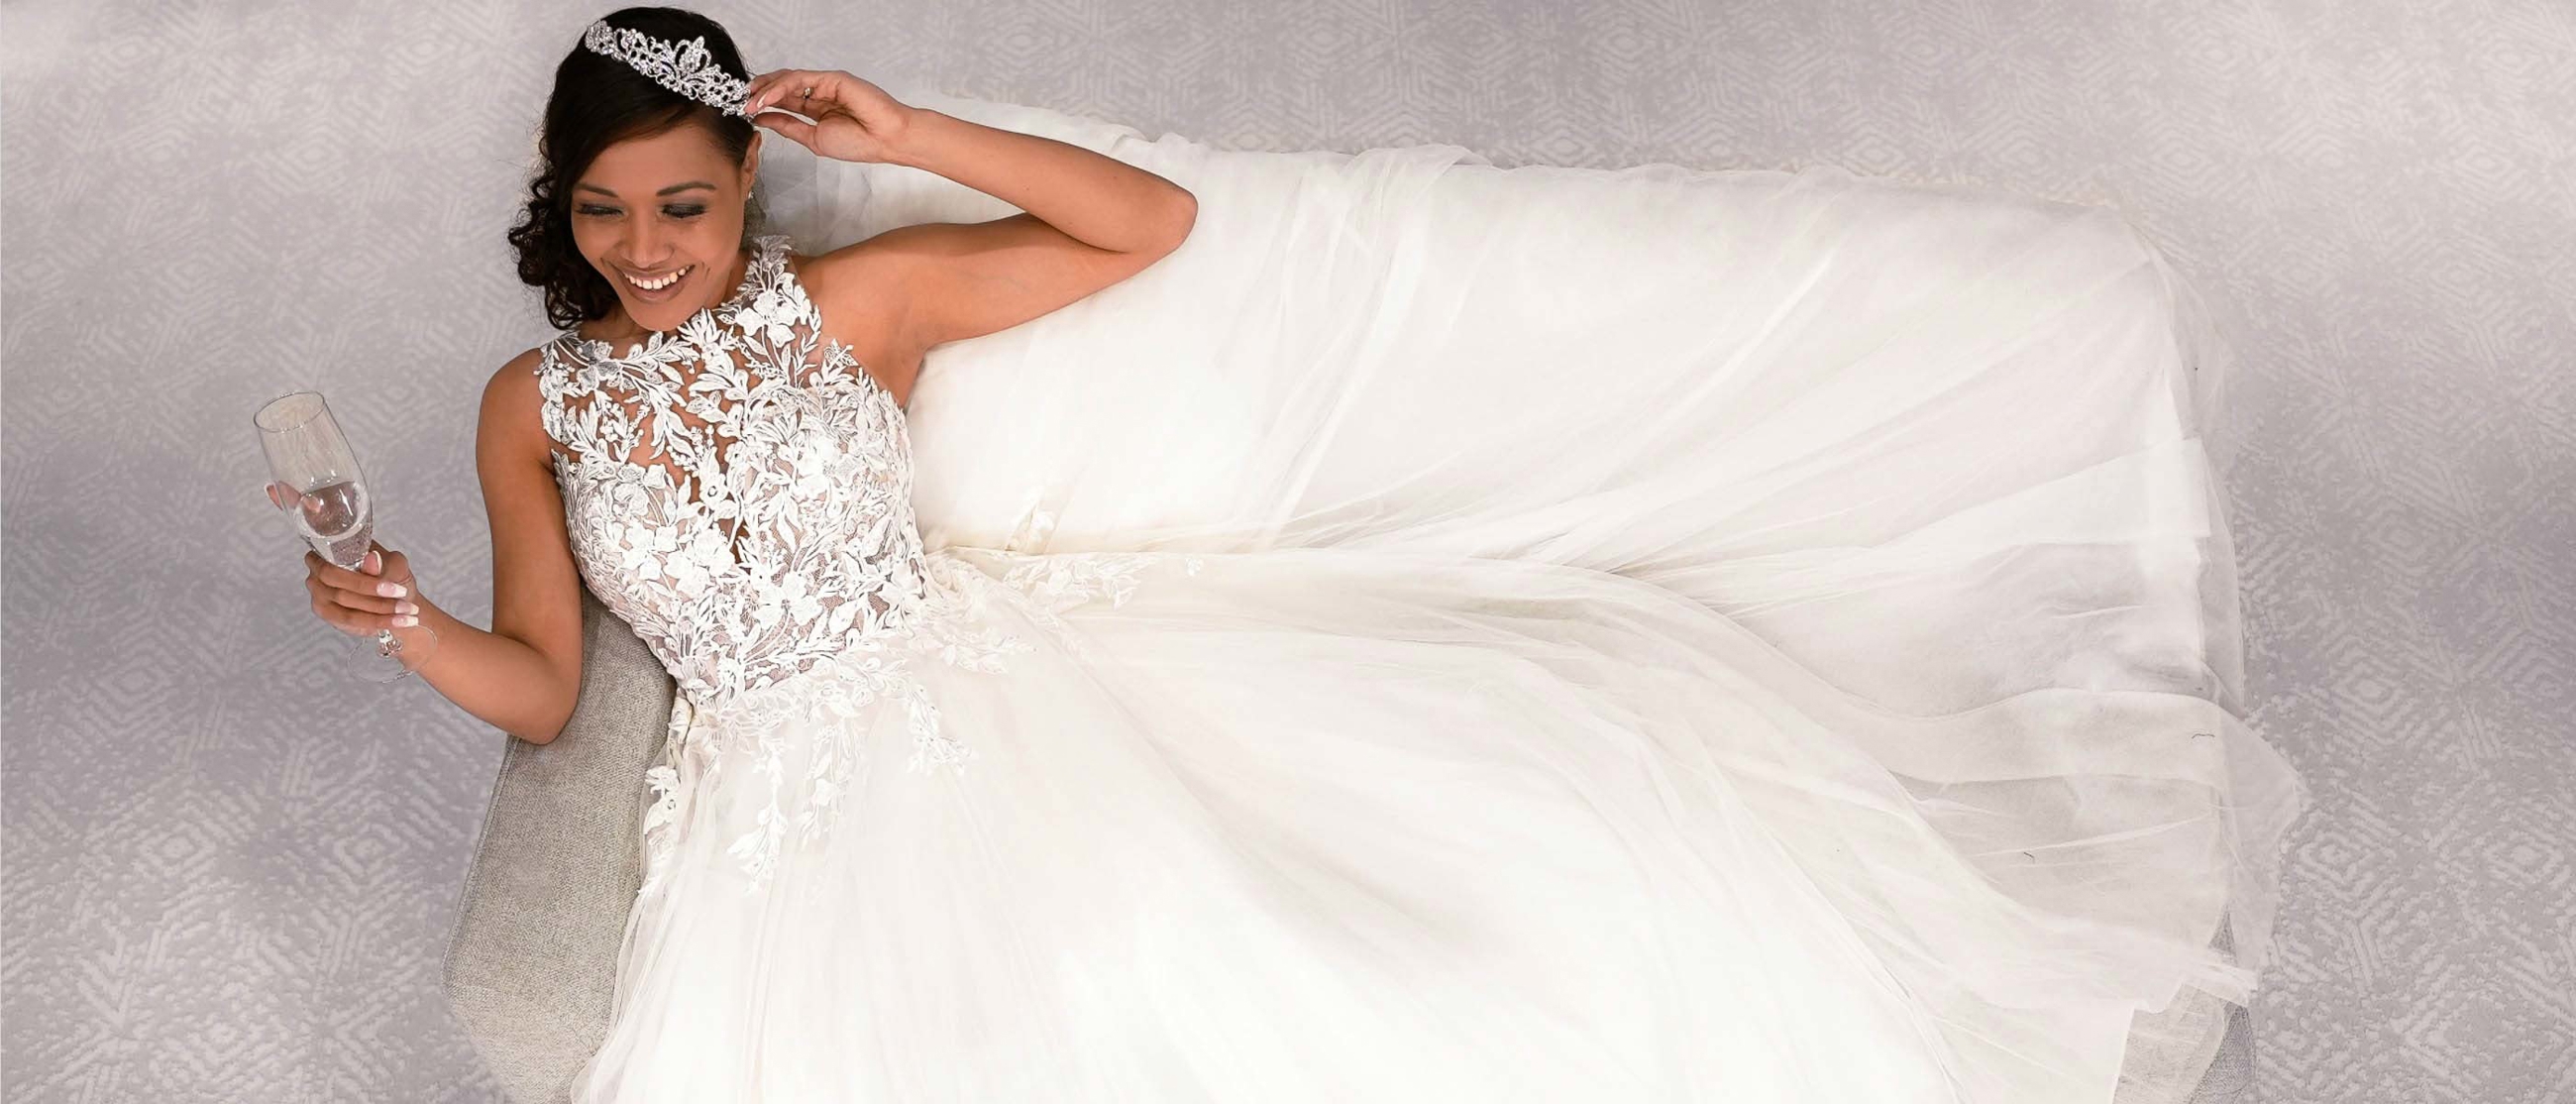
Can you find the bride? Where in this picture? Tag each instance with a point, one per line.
(1388, 795)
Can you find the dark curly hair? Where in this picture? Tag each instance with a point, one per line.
(599, 101)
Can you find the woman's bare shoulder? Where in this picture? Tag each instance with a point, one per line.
(859, 292)
(851, 287)
(510, 420)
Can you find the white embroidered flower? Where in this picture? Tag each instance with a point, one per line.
(702, 332)
(687, 574)
(664, 782)
(820, 470)
(959, 646)
(802, 603)
(771, 316)
(640, 558)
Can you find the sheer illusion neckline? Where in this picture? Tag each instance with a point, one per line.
(749, 257)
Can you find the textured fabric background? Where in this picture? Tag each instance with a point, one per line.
(229, 871)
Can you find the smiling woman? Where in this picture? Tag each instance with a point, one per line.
(635, 181)
(1810, 705)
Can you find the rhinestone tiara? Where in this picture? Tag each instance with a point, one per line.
(685, 68)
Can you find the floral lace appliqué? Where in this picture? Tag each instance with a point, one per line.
(739, 492)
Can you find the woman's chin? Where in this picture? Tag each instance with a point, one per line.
(656, 316)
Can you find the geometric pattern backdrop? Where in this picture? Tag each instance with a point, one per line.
(229, 869)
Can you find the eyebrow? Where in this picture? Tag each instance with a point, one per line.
(665, 191)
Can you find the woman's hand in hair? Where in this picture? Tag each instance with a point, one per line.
(853, 120)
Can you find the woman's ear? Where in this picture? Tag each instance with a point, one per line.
(752, 218)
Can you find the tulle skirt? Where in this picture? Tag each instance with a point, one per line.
(1320, 824)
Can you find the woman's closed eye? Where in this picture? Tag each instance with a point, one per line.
(682, 211)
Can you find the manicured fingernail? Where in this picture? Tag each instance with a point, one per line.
(390, 590)
(405, 622)
(405, 607)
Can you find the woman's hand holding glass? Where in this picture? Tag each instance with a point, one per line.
(315, 481)
(380, 596)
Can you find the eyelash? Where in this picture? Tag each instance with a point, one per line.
(676, 212)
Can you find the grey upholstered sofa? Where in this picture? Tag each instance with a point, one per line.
(531, 961)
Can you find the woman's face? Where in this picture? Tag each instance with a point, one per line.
(652, 207)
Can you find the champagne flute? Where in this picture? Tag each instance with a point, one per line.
(316, 480)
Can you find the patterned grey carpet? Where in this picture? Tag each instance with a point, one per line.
(228, 874)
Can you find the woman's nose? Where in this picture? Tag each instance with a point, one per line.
(643, 244)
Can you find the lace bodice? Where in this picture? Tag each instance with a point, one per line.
(738, 490)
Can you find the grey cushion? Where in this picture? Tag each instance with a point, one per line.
(2230, 1074)
(2230, 1079)
(2198, 1050)
(531, 964)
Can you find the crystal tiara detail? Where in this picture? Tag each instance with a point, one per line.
(685, 68)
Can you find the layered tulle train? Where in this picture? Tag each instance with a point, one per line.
(1363, 826)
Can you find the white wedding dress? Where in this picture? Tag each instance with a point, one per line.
(1430, 809)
